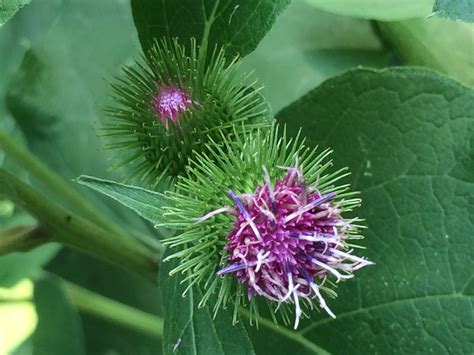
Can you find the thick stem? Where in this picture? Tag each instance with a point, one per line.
(53, 182)
(22, 239)
(100, 306)
(69, 229)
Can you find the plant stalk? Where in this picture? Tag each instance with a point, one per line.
(74, 231)
(100, 306)
(54, 182)
(22, 239)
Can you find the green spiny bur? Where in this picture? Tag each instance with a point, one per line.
(171, 103)
(261, 215)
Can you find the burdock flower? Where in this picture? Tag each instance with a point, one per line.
(171, 102)
(262, 217)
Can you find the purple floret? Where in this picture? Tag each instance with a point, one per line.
(169, 102)
(286, 239)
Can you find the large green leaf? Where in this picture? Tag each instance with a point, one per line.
(192, 330)
(384, 10)
(307, 46)
(455, 9)
(59, 325)
(439, 44)
(237, 25)
(8, 8)
(408, 137)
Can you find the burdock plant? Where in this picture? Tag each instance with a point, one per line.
(262, 216)
(172, 102)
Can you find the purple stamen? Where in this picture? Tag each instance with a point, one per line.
(231, 268)
(245, 214)
(310, 206)
(239, 205)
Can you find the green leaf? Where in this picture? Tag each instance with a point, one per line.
(384, 10)
(455, 9)
(189, 329)
(103, 336)
(407, 136)
(8, 8)
(144, 202)
(429, 43)
(237, 25)
(14, 267)
(59, 325)
(331, 45)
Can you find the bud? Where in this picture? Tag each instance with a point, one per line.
(170, 103)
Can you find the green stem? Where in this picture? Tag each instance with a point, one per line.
(22, 239)
(53, 182)
(72, 230)
(295, 336)
(203, 50)
(95, 304)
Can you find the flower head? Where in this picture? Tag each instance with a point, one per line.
(171, 103)
(265, 220)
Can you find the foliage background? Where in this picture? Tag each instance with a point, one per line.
(55, 56)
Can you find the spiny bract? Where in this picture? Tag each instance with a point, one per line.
(172, 102)
(262, 216)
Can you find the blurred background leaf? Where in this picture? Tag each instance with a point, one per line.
(443, 45)
(306, 46)
(8, 8)
(384, 10)
(18, 318)
(59, 329)
(455, 9)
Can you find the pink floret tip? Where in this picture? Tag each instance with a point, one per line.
(169, 103)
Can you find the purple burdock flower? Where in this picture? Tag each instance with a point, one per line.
(286, 239)
(169, 102)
